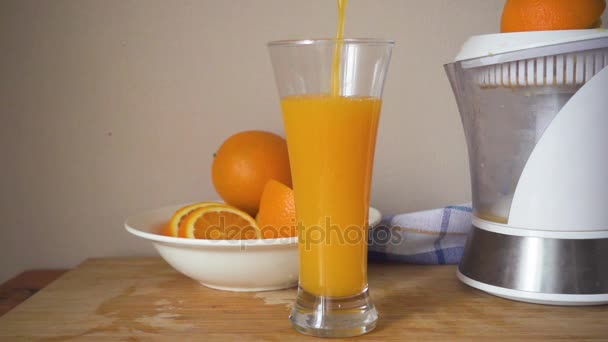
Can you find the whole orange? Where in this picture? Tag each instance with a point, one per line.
(243, 165)
(277, 216)
(539, 15)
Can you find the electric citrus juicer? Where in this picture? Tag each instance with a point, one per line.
(534, 107)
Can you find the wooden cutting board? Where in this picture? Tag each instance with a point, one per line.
(141, 299)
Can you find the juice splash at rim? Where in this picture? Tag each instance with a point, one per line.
(335, 69)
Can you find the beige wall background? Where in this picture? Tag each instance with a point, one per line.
(113, 107)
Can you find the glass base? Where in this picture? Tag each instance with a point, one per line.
(333, 316)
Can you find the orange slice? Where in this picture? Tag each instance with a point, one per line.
(219, 222)
(172, 228)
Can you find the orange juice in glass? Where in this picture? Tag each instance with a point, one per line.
(331, 143)
(331, 124)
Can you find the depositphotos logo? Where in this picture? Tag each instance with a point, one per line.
(328, 233)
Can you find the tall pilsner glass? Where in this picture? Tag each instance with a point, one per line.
(331, 97)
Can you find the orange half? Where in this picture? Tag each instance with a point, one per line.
(277, 216)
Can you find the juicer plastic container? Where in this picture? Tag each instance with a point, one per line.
(509, 89)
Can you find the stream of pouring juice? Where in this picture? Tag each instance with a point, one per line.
(335, 68)
(331, 140)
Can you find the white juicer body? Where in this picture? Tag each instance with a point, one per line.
(564, 186)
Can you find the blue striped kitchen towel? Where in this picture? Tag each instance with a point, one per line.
(428, 237)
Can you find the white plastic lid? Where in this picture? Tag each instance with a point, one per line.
(498, 43)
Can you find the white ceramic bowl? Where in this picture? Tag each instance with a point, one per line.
(234, 265)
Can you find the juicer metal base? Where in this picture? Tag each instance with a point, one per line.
(536, 270)
(535, 297)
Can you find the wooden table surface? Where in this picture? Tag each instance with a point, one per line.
(141, 299)
(23, 286)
